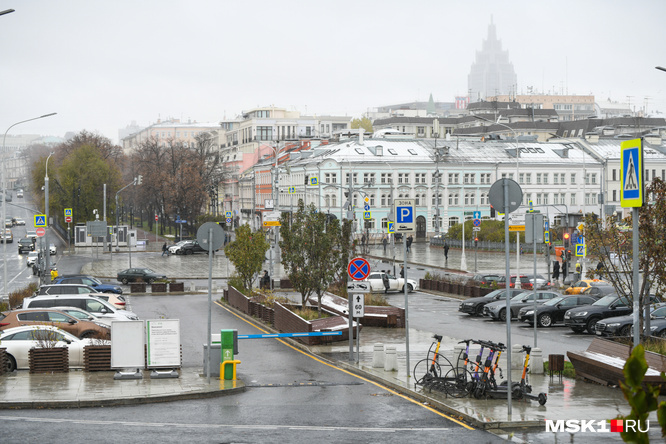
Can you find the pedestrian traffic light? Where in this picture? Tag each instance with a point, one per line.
(476, 240)
(492, 211)
(566, 240)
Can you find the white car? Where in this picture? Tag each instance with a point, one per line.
(32, 258)
(376, 280)
(174, 249)
(52, 250)
(20, 221)
(84, 315)
(18, 342)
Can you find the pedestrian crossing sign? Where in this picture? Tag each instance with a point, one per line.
(631, 175)
(390, 227)
(40, 220)
(314, 181)
(580, 250)
(366, 215)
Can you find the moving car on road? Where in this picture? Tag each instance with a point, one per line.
(552, 312)
(25, 245)
(139, 275)
(376, 280)
(32, 258)
(19, 340)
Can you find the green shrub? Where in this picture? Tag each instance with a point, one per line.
(309, 314)
(236, 282)
(568, 372)
(16, 297)
(376, 299)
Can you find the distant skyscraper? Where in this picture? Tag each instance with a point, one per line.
(492, 73)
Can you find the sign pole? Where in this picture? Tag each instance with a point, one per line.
(404, 287)
(358, 270)
(350, 296)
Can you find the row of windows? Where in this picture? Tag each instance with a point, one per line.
(419, 178)
(615, 174)
(558, 178)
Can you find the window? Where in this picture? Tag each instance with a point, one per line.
(386, 200)
(436, 201)
(614, 174)
(545, 178)
(392, 151)
(562, 180)
(573, 179)
(470, 198)
(454, 178)
(413, 152)
(360, 150)
(469, 178)
(420, 131)
(572, 200)
(420, 178)
(556, 179)
(453, 199)
(436, 222)
(437, 177)
(593, 177)
(387, 177)
(403, 177)
(538, 178)
(614, 195)
(453, 221)
(417, 199)
(372, 199)
(521, 178)
(485, 177)
(528, 178)
(331, 177)
(264, 133)
(368, 177)
(355, 177)
(483, 199)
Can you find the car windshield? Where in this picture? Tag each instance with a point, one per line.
(147, 270)
(95, 280)
(525, 295)
(554, 301)
(606, 300)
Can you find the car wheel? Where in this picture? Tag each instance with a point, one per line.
(625, 331)
(590, 325)
(479, 310)
(662, 334)
(578, 329)
(11, 363)
(502, 315)
(409, 288)
(188, 252)
(545, 320)
(124, 281)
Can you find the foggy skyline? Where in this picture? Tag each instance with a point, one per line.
(102, 65)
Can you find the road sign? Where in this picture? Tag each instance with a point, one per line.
(40, 231)
(496, 195)
(156, 217)
(476, 228)
(228, 220)
(477, 215)
(68, 219)
(358, 269)
(580, 250)
(40, 220)
(546, 237)
(390, 227)
(546, 225)
(477, 222)
(179, 221)
(217, 239)
(314, 181)
(516, 227)
(366, 199)
(292, 190)
(272, 223)
(68, 212)
(367, 215)
(358, 287)
(404, 215)
(358, 305)
(366, 207)
(227, 214)
(631, 175)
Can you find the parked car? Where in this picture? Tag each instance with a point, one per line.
(139, 275)
(8, 222)
(84, 315)
(32, 258)
(116, 300)
(598, 291)
(25, 245)
(66, 289)
(485, 279)
(50, 316)
(497, 310)
(552, 312)
(525, 281)
(86, 302)
(623, 325)
(474, 306)
(578, 287)
(187, 247)
(91, 281)
(19, 340)
(376, 281)
(587, 316)
(658, 328)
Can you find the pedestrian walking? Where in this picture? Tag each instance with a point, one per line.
(556, 270)
(384, 243)
(165, 250)
(363, 241)
(402, 271)
(600, 269)
(385, 281)
(446, 251)
(409, 241)
(265, 283)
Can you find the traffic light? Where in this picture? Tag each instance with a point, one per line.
(492, 211)
(566, 240)
(476, 240)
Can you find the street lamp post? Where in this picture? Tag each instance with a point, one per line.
(4, 191)
(47, 249)
(135, 181)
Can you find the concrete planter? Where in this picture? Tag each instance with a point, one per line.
(158, 287)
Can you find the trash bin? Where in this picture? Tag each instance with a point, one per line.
(555, 365)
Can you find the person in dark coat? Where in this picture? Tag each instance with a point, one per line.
(556, 270)
(165, 249)
(385, 281)
(265, 281)
(446, 251)
(402, 271)
(384, 243)
(409, 241)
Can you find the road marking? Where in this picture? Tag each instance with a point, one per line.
(226, 426)
(350, 373)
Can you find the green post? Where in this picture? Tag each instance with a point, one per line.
(227, 348)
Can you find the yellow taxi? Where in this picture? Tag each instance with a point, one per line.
(583, 284)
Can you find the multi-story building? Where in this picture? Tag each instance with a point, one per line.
(168, 130)
(568, 107)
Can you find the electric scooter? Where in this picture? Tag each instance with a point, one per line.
(520, 390)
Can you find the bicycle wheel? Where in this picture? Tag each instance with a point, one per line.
(425, 372)
(458, 383)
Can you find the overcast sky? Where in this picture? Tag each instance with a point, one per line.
(103, 64)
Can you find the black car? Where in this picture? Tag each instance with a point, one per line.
(497, 310)
(552, 312)
(474, 306)
(25, 244)
(658, 328)
(139, 275)
(623, 325)
(587, 316)
(190, 247)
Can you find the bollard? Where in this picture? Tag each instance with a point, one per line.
(536, 361)
(378, 356)
(458, 360)
(391, 359)
(517, 357)
(193, 287)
